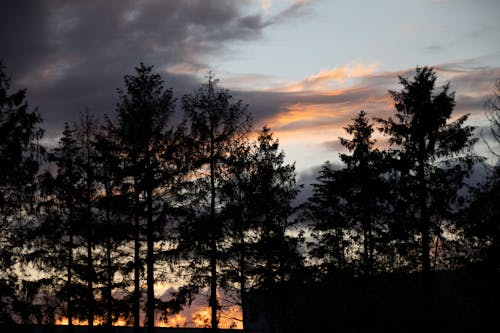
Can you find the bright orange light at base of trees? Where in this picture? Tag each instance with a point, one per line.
(201, 318)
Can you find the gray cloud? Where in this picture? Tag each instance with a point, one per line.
(74, 54)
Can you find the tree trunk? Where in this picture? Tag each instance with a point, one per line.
(69, 300)
(90, 273)
(424, 220)
(109, 273)
(90, 264)
(242, 264)
(213, 242)
(137, 260)
(150, 249)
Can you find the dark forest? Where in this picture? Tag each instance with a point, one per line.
(186, 192)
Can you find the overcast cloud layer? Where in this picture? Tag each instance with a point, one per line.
(74, 54)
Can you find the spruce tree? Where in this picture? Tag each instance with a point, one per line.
(145, 132)
(364, 189)
(277, 255)
(431, 155)
(20, 154)
(217, 121)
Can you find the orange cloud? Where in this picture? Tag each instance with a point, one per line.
(266, 5)
(324, 80)
(185, 68)
(335, 111)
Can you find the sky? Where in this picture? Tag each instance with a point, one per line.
(305, 67)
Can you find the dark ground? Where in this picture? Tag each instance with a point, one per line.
(467, 300)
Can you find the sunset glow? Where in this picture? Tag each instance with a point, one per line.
(328, 79)
(258, 165)
(195, 316)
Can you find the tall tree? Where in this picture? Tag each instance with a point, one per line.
(237, 193)
(144, 112)
(20, 150)
(363, 194)
(113, 229)
(432, 153)
(86, 131)
(328, 220)
(62, 215)
(482, 225)
(347, 204)
(217, 120)
(69, 222)
(492, 108)
(278, 257)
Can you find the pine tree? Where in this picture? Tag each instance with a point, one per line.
(59, 228)
(86, 131)
(20, 153)
(482, 224)
(364, 190)
(277, 257)
(217, 120)
(144, 115)
(431, 154)
(327, 217)
(237, 193)
(112, 230)
(346, 208)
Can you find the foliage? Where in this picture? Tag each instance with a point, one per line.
(20, 154)
(431, 158)
(218, 123)
(196, 201)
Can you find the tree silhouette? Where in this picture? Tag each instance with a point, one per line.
(364, 194)
(86, 135)
(483, 215)
(217, 120)
(237, 192)
(69, 220)
(20, 154)
(113, 228)
(144, 112)
(432, 155)
(257, 196)
(328, 222)
(277, 252)
(492, 107)
(347, 207)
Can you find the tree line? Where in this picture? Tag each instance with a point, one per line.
(148, 195)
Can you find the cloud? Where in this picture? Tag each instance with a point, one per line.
(324, 79)
(71, 55)
(312, 120)
(74, 54)
(266, 5)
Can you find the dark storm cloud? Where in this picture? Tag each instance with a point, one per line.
(73, 54)
(23, 34)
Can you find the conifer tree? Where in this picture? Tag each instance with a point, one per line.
(277, 252)
(329, 222)
(217, 121)
(145, 133)
(364, 191)
(20, 154)
(431, 155)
